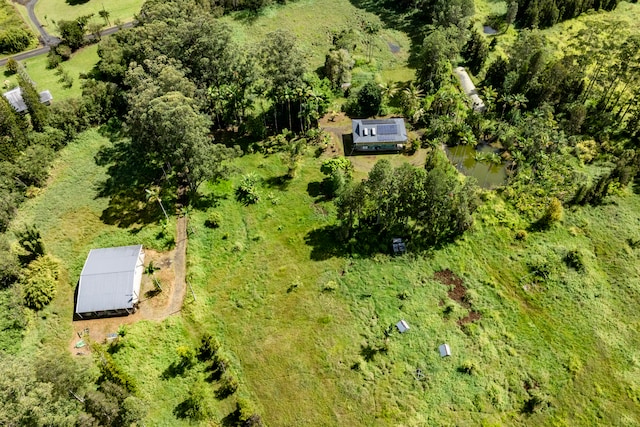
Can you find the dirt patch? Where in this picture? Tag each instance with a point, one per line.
(458, 293)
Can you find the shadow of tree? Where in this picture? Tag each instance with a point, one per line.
(125, 188)
(280, 182)
(175, 369)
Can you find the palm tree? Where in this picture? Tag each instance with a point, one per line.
(154, 193)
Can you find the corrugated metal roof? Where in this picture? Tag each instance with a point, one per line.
(469, 89)
(378, 130)
(108, 279)
(14, 96)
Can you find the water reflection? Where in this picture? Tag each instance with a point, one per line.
(466, 159)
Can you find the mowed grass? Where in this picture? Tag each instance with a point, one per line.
(45, 79)
(69, 215)
(49, 12)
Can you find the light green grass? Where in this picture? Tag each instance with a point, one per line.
(295, 346)
(314, 22)
(49, 12)
(81, 62)
(69, 213)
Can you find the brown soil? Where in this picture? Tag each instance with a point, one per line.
(154, 304)
(458, 293)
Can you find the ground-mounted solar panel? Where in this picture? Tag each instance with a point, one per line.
(388, 129)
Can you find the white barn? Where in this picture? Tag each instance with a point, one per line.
(470, 90)
(109, 284)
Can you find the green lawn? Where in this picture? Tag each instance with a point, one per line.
(51, 11)
(81, 62)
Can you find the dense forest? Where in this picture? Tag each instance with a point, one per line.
(181, 97)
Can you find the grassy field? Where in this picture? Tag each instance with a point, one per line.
(544, 329)
(51, 11)
(300, 320)
(315, 22)
(73, 219)
(81, 62)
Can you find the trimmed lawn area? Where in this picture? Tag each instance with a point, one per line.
(81, 62)
(51, 11)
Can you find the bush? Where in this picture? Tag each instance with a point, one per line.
(247, 193)
(14, 40)
(330, 286)
(64, 51)
(214, 219)
(468, 367)
(574, 259)
(12, 66)
(228, 386)
(31, 245)
(39, 282)
(521, 235)
(552, 214)
(209, 346)
(53, 59)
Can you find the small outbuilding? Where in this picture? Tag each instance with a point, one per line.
(470, 90)
(14, 96)
(379, 135)
(444, 350)
(109, 284)
(402, 326)
(398, 246)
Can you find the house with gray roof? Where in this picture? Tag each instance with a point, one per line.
(14, 96)
(379, 135)
(109, 284)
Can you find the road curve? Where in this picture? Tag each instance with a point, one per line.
(50, 41)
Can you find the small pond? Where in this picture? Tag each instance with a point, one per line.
(489, 30)
(463, 157)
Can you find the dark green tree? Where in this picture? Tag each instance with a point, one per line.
(475, 51)
(37, 111)
(369, 99)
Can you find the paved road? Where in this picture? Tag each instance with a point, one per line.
(46, 38)
(49, 40)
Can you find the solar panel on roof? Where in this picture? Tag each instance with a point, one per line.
(386, 138)
(388, 129)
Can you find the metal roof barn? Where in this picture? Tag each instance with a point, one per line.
(109, 284)
(470, 90)
(14, 97)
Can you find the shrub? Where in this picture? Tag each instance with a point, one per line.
(14, 40)
(247, 192)
(575, 260)
(214, 220)
(53, 59)
(521, 235)
(552, 214)
(31, 246)
(228, 385)
(194, 406)
(12, 66)
(237, 247)
(209, 346)
(39, 282)
(330, 286)
(64, 51)
(468, 367)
